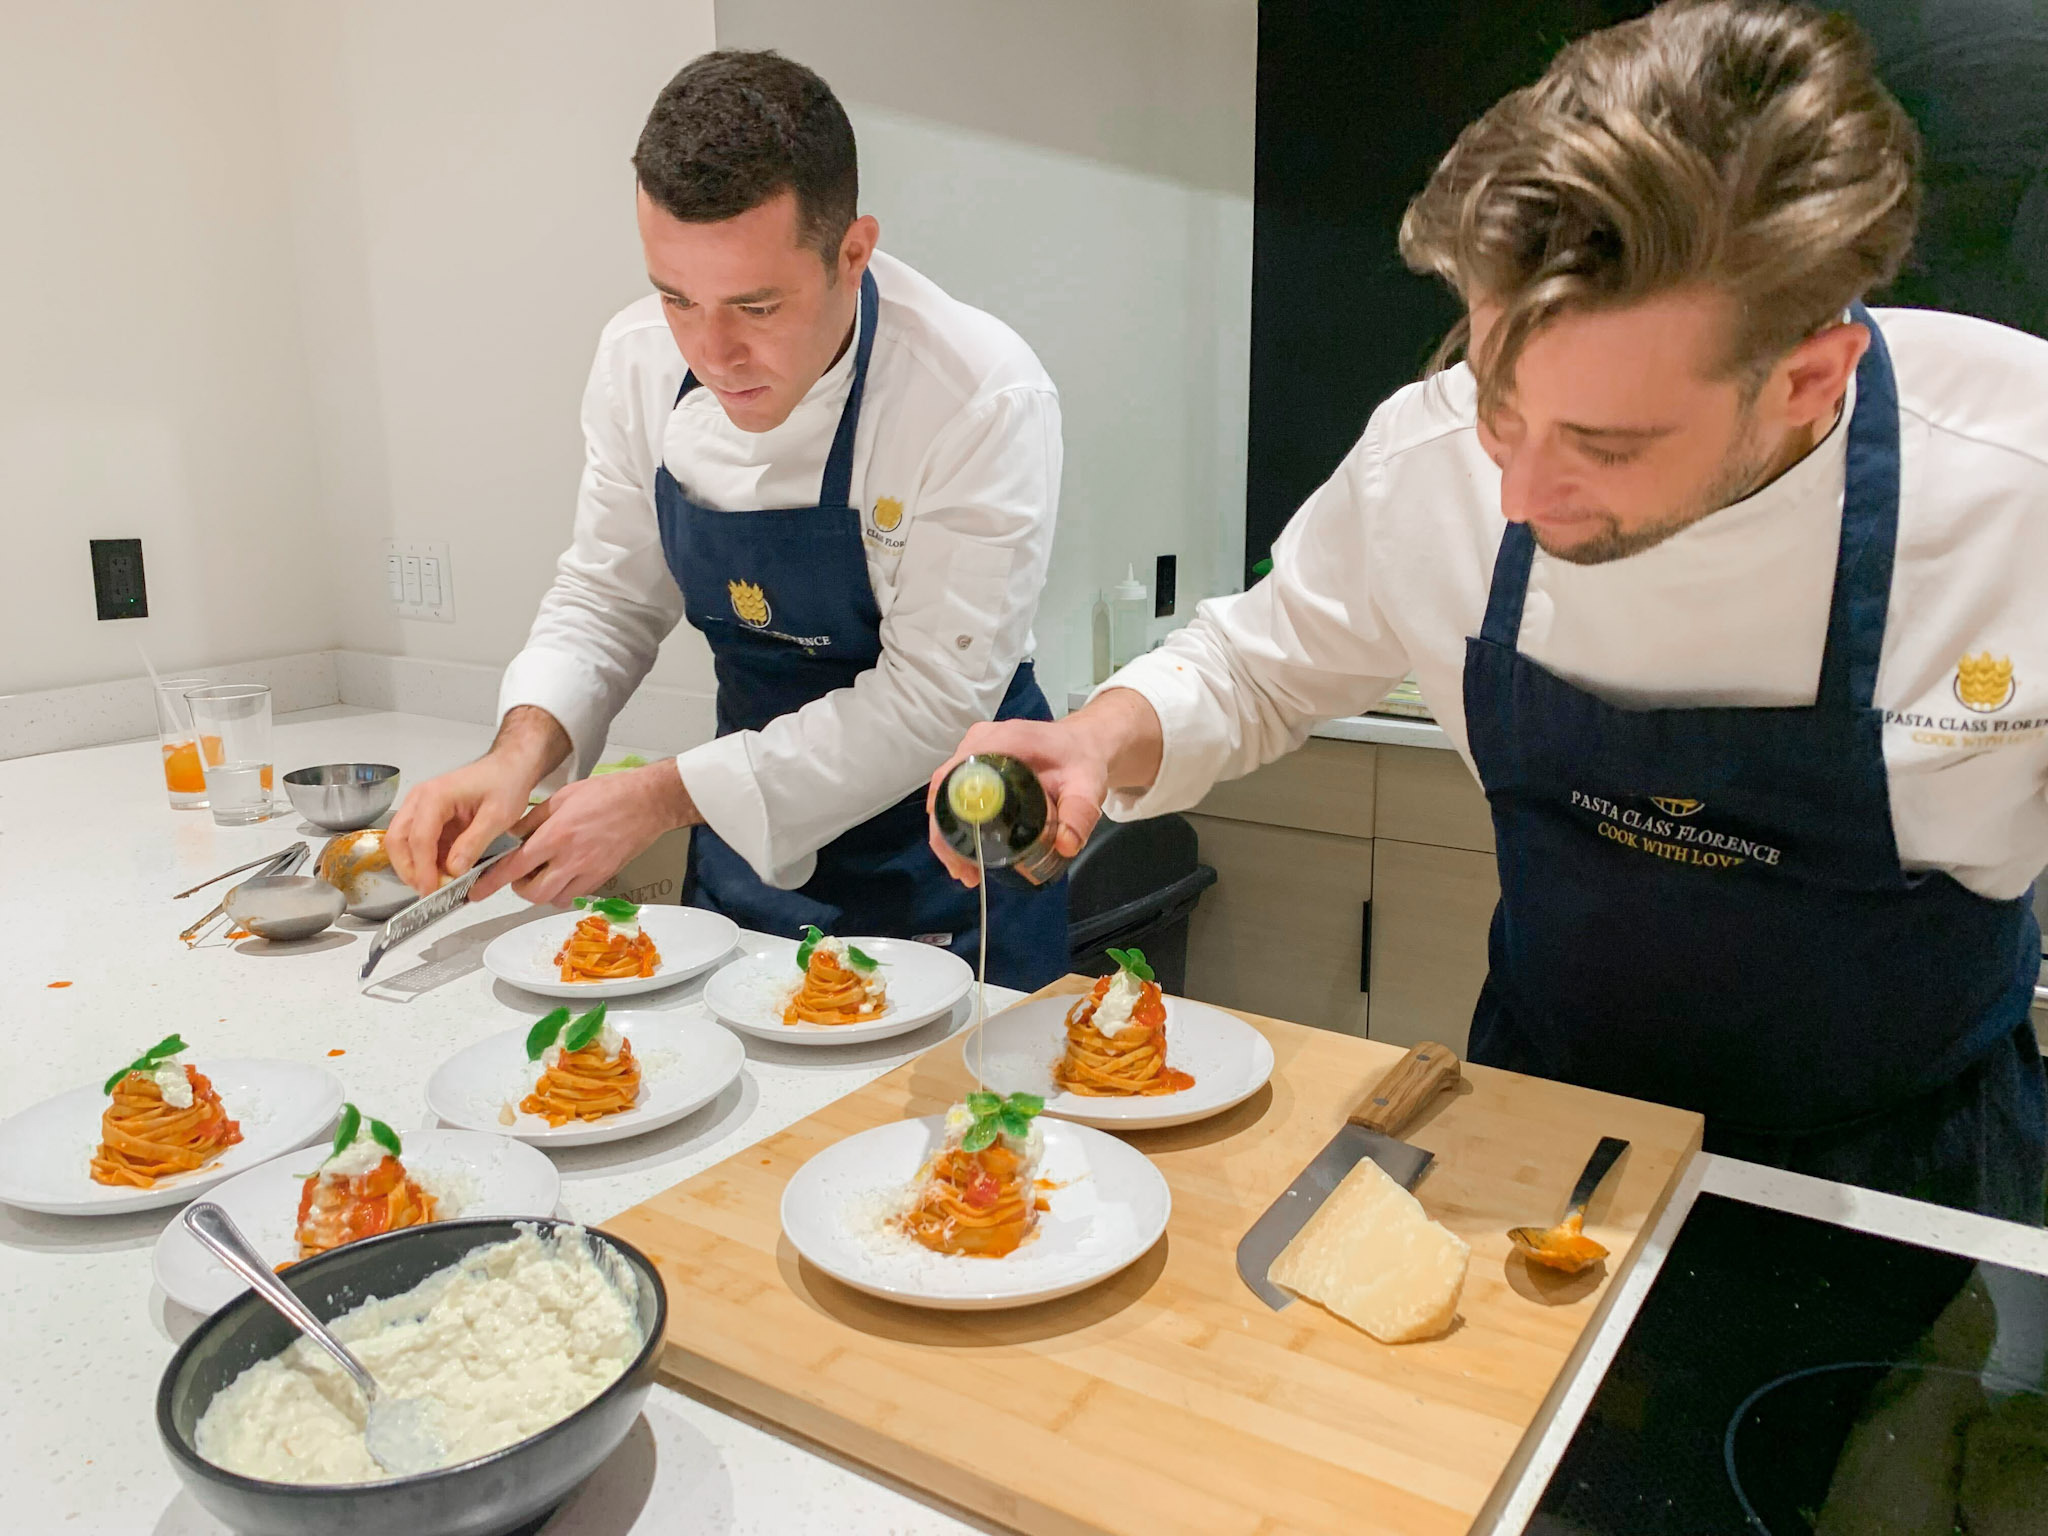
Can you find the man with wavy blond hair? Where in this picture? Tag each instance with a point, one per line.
(1727, 589)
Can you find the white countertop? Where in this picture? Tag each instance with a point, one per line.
(89, 851)
(89, 855)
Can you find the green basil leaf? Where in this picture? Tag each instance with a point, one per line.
(982, 1105)
(803, 951)
(584, 1030)
(543, 1033)
(1120, 956)
(386, 1138)
(351, 1122)
(615, 908)
(1015, 1124)
(1134, 962)
(979, 1135)
(1025, 1104)
(865, 964)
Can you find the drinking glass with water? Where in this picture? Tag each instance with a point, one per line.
(239, 776)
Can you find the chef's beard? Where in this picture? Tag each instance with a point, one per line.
(1742, 474)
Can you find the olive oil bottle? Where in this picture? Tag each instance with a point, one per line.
(997, 803)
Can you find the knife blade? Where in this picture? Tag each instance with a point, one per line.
(427, 911)
(1370, 1131)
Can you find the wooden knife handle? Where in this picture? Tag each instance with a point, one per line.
(1412, 1082)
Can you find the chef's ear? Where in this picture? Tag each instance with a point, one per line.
(857, 245)
(1815, 373)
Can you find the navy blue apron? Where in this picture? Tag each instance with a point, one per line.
(784, 599)
(1705, 907)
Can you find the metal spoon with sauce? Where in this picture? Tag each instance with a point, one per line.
(1566, 1246)
(397, 1431)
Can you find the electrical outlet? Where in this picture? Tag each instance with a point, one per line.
(118, 589)
(1165, 573)
(418, 580)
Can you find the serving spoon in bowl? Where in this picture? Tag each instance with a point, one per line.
(397, 1431)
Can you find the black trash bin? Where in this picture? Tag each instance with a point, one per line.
(1135, 883)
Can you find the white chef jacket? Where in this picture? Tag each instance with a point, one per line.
(1386, 569)
(956, 472)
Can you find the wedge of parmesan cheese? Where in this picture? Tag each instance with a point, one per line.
(1371, 1256)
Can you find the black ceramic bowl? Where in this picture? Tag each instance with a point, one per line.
(489, 1496)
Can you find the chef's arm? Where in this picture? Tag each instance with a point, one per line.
(1240, 686)
(957, 625)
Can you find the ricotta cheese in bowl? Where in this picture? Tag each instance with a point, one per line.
(509, 1340)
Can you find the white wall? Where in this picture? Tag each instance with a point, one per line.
(1083, 169)
(153, 383)
(286, 280)
(462, 196)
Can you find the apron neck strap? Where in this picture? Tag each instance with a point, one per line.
(836, 489)
(1870, 526)
(1863, 565)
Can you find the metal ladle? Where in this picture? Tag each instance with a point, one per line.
(398, 1431)
(1565, 1246)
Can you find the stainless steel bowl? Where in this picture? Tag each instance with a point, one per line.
(502, 1492)
(342, 796)
(357, 865)
(284, 907)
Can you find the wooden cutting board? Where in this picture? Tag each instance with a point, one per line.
(1169, 1398)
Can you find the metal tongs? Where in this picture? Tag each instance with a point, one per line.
(283, 862)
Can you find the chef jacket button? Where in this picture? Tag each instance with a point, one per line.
(961, 642)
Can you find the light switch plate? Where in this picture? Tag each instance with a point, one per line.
(419, 582)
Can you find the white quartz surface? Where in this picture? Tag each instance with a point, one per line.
(89, 856)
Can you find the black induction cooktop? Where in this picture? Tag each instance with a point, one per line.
(1796, 1378)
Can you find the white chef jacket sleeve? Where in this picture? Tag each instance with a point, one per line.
(613, 601)
(1246, 680)
(966, 591)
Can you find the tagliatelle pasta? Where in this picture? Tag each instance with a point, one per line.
(596, 952)
(336, 1209)
(585, 1085)
(144, 1138)
(1116, 1038)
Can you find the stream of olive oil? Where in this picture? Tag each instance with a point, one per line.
(981, 979)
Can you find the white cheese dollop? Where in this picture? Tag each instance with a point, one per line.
(359, 1157)
(171, 1081)
(514, 1338)
(1113, 1013)
(625, 928)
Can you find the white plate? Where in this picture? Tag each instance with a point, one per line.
(690, 941)
(685, 1063)
(1229, 1059)
(45, 1151)
(924, 981)
(468, 1173)
(1112, 1207)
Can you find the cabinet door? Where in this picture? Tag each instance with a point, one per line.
(1430, 911)
(1282, 930)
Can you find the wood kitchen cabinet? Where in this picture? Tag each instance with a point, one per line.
(1302, 846)
(1281, 931)
(1431, 909)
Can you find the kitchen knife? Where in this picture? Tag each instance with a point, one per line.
(1370, 1131)
(426, 912)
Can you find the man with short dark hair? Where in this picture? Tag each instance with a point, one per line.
(846, 480)
(1728, 590)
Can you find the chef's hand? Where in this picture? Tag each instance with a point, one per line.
(444, 825)
(583, 834)
(1114, 742)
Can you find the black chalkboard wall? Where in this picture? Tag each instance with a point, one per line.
(1358, 99)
